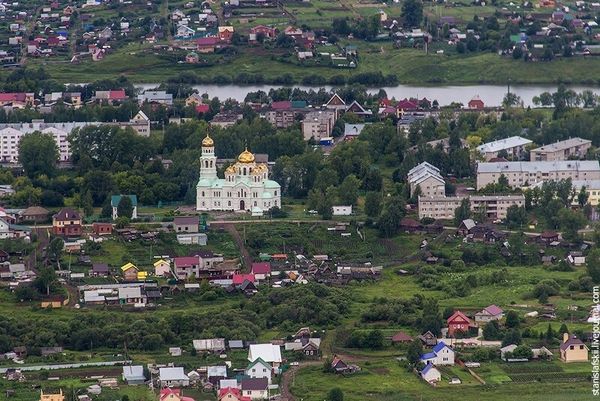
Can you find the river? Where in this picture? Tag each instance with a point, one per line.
(491, 95)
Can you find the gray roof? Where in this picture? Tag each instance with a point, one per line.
(501, 144)
(128, 293)
(353, 129)
(168, 374)
(538, 167)
(133, 373)
(562, 145)
(216, 371)
(588, 184)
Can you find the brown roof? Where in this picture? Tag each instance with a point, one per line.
(35, 211)
(573, 340)
(67, 214)
(401, 337)
(185, 220)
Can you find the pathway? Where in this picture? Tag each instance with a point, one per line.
(232, 230)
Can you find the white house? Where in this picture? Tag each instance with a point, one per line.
(430, 374)
(4, 229)
(490, 313)
(342, 210)
(173, 377)
(440, 355)
(267, 352)
(133, 375)
(259, 369)
(256, 389)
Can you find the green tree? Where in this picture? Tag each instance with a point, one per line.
(348, 190)
(593, 265)
(125, 207)
(570, 222)
(412, 13)
(491, 331)
(372, 204)
(389, 220)
(516, 216)
(512, 319)
(462, 212)
(583, 196)
(335, 394)
(414, 352)
(38, 154)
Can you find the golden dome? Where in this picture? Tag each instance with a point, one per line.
(246, 157)
(208, 141)
(230, 170)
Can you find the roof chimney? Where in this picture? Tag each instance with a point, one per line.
(565, 337)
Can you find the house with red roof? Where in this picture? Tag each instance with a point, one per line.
(458, 322)
(401, 337)
(187, 266)
(261, 270)
(20, 99)
(238, 279)
(202, 108)
(266, 32)
(112, 96)
(232, 394)
(173, 394)
(490, 313)
(407, 105)
(67, 222)
(207, 45)
(476, 103)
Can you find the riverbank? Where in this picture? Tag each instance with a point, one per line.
(408, 66)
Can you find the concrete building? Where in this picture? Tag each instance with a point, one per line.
(514, 147)
(318, 124)
(568, 149)
(592, 187)
(428, 178)
(442, 207)
(521, 174)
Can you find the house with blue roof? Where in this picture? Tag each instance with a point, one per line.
(114, 203)
(440, 355)
(430, 374)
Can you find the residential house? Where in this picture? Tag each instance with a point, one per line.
(133, 375)
(231, 394)
(156, 97)
(269, 353)
(440, 355)
(488, 314)
(339, 366)
(34, 214)
(261, 270)
(17, 100)
(116, 199)
(162, 268)
(226, 119)
(513, 147)
(172, 377)
(52, 397)
(188, 224)
(430, 374)
(207, 45)
(256, 389)
(458, 322)
(572, 148)
(573, 349)
(186, 267)
(102, 228)
(113, 97)
(428, 339)
(129, 271)
(173, 394)
(259, 369)
(67, 223)
(506, 351)
(548, 237)
(99, 270)
(225, 33)
(47, 351)
(194, 99)
(131, 295)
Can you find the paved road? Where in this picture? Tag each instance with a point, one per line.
(64, 366)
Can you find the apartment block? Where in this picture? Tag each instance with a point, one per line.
(514, 147)
(442, 207)
(428, 178)
(318, 124)
(522, 174)
(568, 149)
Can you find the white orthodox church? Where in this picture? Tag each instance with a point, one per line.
(246, 185)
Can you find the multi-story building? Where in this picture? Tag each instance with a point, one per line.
(67, 222)
(11, 134)
(281, 114)
(318, 124)
(513, 146)
(572, 148)
(522, 174)
(427, 177)
(442, 207)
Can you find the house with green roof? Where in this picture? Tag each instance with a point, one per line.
(259, 369)
(116, 199)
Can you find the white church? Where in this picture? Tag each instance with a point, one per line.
(246, 185)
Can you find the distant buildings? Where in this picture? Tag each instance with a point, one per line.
(493, 206)
(427, 177)
(568, 149)
(318, 124)
(513, 146)
(521, 174)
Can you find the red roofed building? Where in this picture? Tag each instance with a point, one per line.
(261, 270)
(281, 105)
(207, 45)
(17, 99)
(232, 394)
(266, 31)
(67, 222)
(187, 266)
(476, 103)
(401, 337)
(458, 322)
(173, 394)
(239, 279)
(202, 108)
(385, 102)
(407, 105)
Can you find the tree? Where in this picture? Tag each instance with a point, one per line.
(125, 207)
(335, 394)
(510, 100)
(55, 249)
(491, 331)
(593, 265)
(431, 319)
(522, 352)
(389, 220)
(516, 216)
(38, 154)
(414, 352)
(348, 190)
(512, 319)
(412, 13)
(512, 337)
(372, 204)
(462, 212)
(583, 196)
(570, 222)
